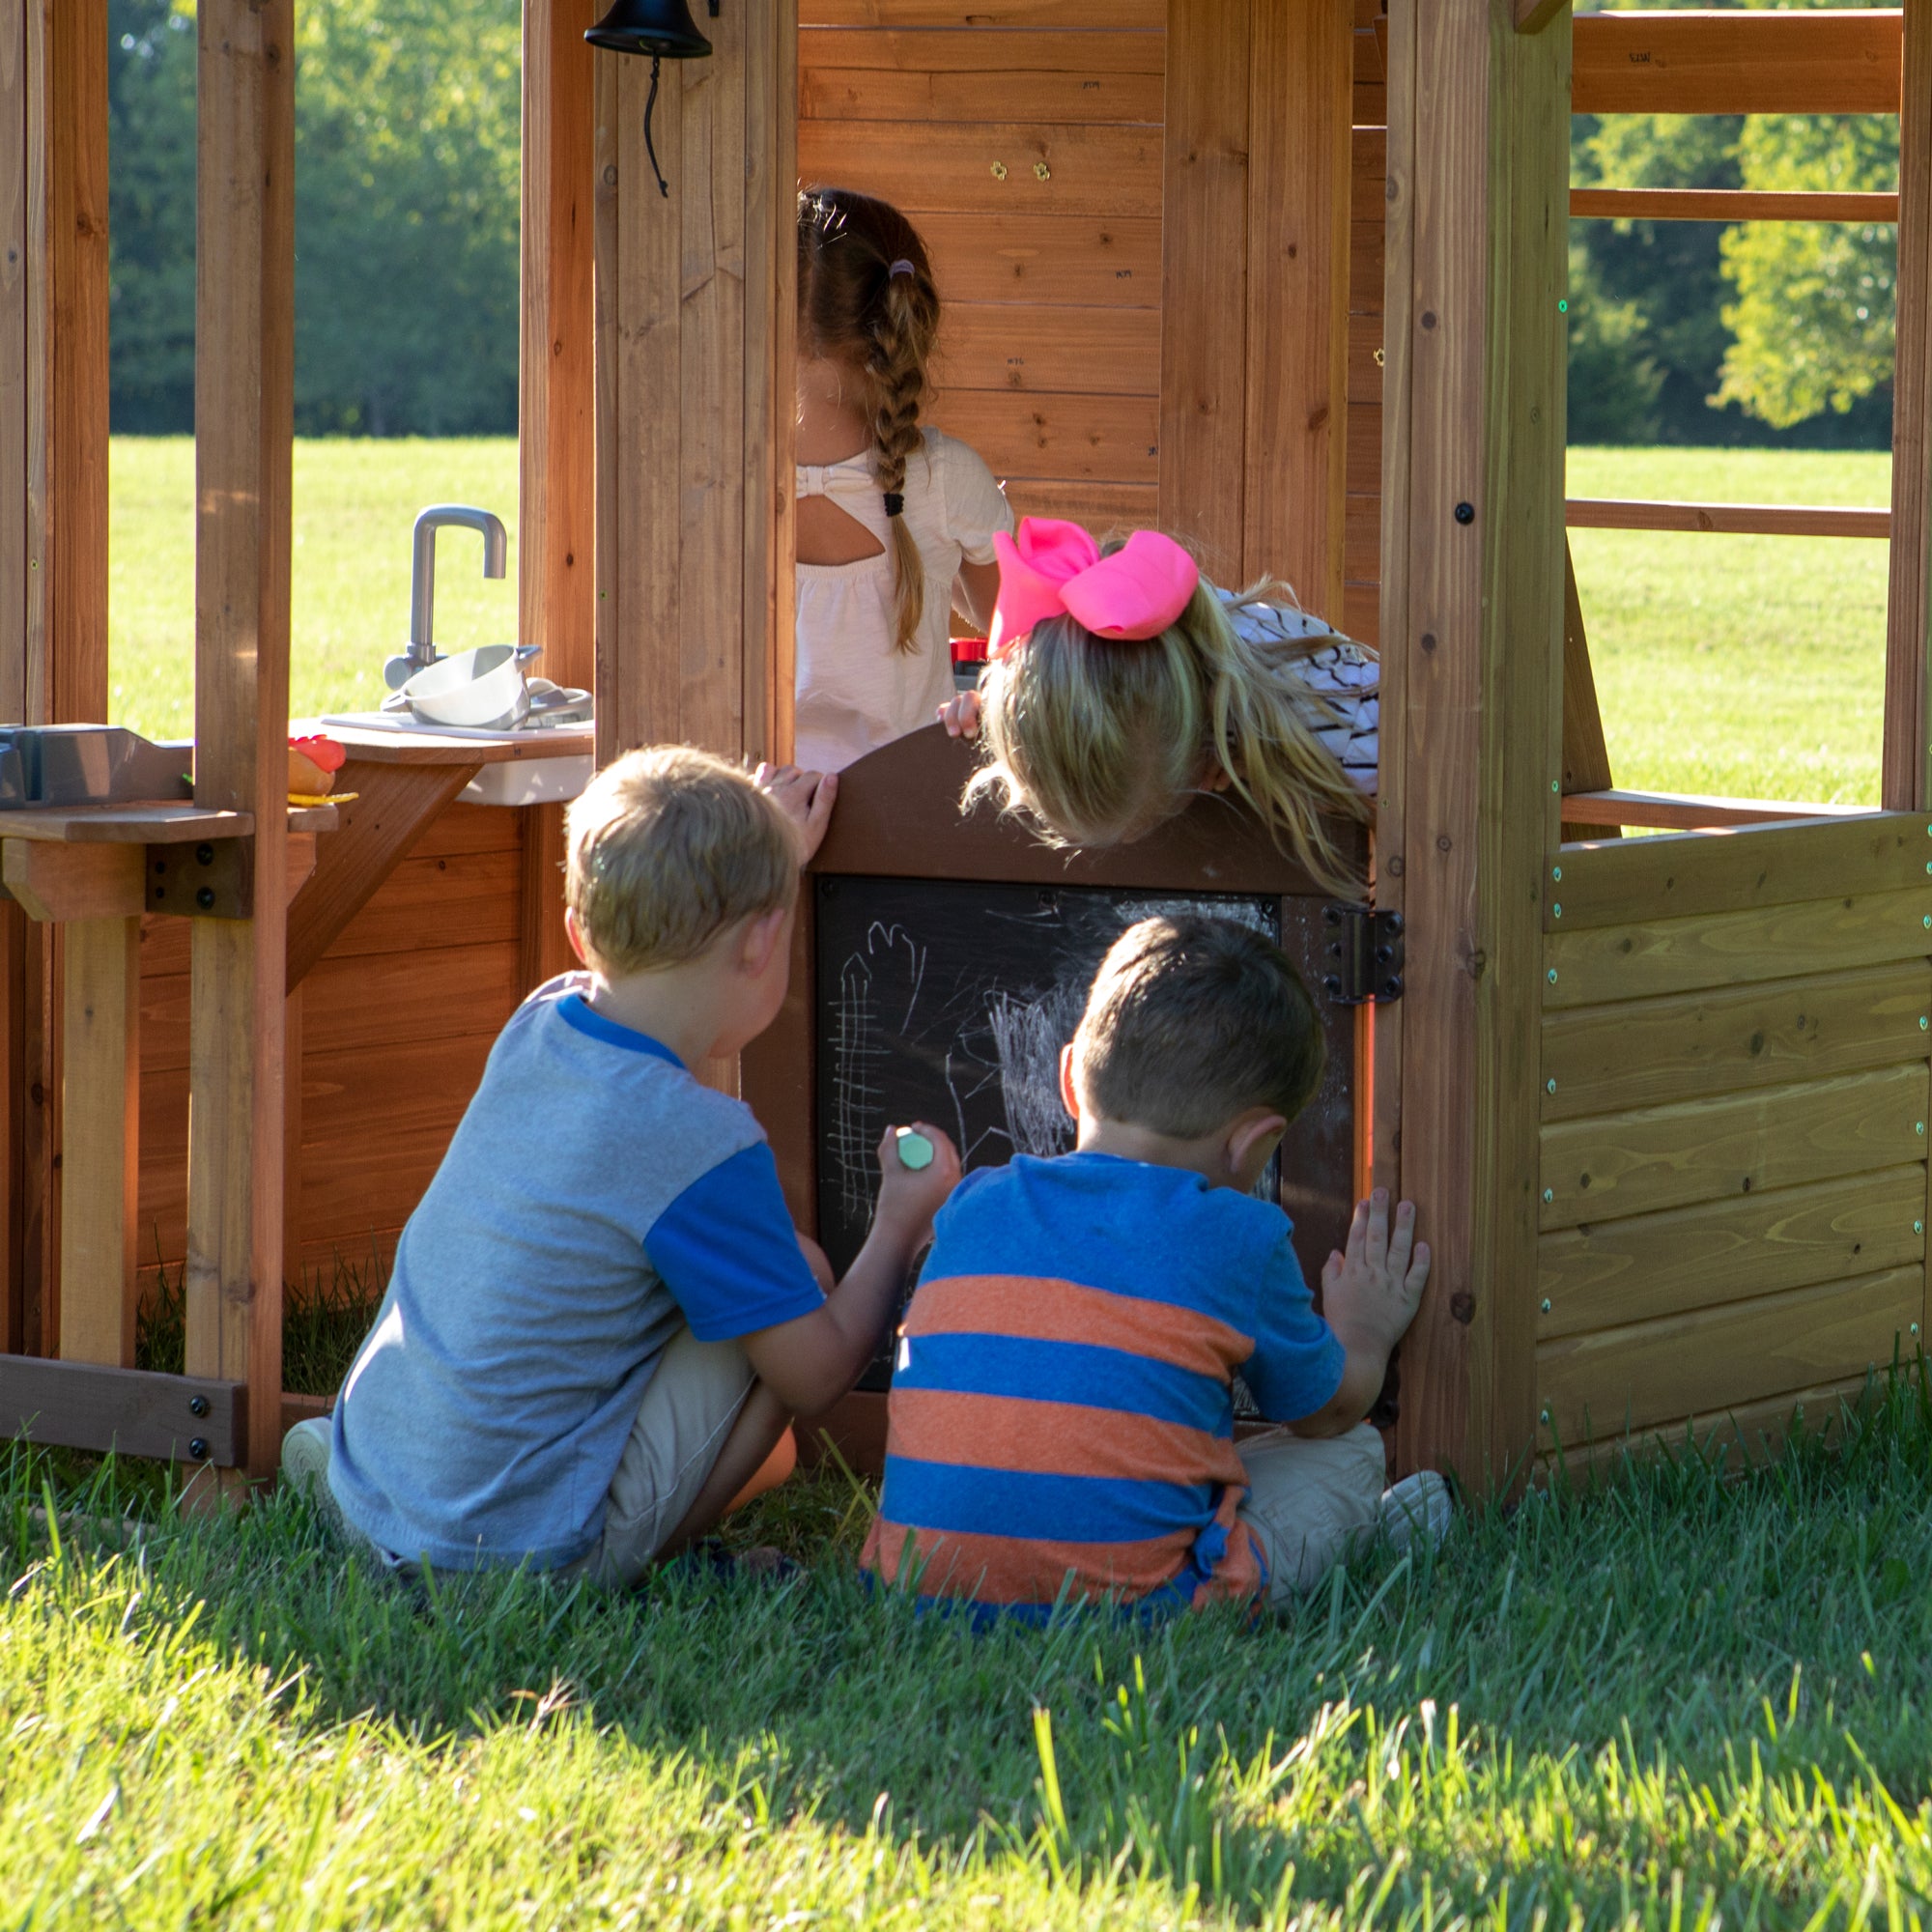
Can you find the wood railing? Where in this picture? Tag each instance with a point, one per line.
(1737, 520)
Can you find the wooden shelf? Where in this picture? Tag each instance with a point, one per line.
(182, 824)
(1741, 520)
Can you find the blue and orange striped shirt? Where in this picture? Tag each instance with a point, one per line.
(1061, 1419)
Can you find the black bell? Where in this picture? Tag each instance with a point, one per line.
(661, 28)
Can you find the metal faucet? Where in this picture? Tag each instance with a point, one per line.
(422, 651)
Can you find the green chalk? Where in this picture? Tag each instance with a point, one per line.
(915, 1150)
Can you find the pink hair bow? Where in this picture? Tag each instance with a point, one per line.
(1053, 568)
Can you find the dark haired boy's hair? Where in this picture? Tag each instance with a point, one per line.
(1192, 1021)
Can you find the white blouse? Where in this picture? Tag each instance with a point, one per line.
(855, 692)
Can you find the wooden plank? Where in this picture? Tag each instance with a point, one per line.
(474, 902)
(1030, 89)
(1683, 874)
(543, 950)
(77, 1405)
(1635, 1164)
(1367, 262)
(374, 746)
(1300, 141)
(1365, 358)
(1365, 449)
(1615, 1272)
(1647, 1053)
(1137, 16)
(556, 381)
(100, 1148)
(245, 364)
(1684, 811)
(1784, 62)
(1728, 204)
(1766, 520)
(125, 824)
(1205, 292)
(1089, 54)
(462, 829)
(1103, 507)
(1646, 959)
(926, 165)
(74, 882)
(1099, 352)
(1908, 631)
(1100, 439)
(394, 804)
(1587, 757)
(1597, 1386)
(1038, 259)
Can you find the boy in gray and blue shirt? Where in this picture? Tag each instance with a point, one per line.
(600, 1321)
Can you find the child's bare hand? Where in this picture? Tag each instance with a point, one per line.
(909, 1197)
(1369, 1294)
(806, 798)
(960, 714)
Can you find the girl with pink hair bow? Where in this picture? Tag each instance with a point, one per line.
(1123, 683)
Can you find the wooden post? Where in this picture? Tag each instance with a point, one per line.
(1908, 741)
(695, 380)
(243, 434)
(558, 393)
(1472, 628)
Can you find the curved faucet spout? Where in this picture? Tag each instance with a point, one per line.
(422, 574)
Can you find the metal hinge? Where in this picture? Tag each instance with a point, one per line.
(1364, 953)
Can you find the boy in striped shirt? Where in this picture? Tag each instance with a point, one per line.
(1062, 1417)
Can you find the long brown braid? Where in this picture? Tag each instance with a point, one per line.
(853, 308)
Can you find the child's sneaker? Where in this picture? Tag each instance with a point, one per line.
(305, 1459)
(1416, 1511)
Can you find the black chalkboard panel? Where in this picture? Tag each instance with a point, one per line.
(950, 1001)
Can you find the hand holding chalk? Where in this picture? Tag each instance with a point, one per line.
(915, 1150)
(919, 1167)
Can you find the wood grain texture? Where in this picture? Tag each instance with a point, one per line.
(542, 948)
(1203, 189)
(1644, 959)
(1298, 325)
(1075, 260)
(1679, 875)
(1096, 439)
(1646, 1053)
(1105, 508)
(1075, 55)
(1657, 1157)
(245, 364)
(74, 882)
(101, 1144)
(1767, 520)
(1141, 17)
(77, 1405)
(1045, 79)
(1784, 62)
(1055, 350)
(1908, 726)
(1611, 1274)
(1595, 1386)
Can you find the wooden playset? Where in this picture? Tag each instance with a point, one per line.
(1284, 276)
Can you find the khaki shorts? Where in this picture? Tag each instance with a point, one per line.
(1311, 1501)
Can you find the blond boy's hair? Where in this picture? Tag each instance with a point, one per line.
(1192, 1021)
(668, 847)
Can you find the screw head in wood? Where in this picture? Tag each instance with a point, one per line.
(1556, 912)
(1549, 1084)
(1919, 1127)
(205, 897)
(198, 1450)
(999, 170)
(1557, 873)
(1466, 513)
(1546, 1304)
(1924, 1021)
(1918, 1227)
(1927, 920)
(1553, 786)
(1552, 970)
(1548, 1195)
(1544, 1418)
(197, 1405)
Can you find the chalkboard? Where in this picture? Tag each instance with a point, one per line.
(949, 1002)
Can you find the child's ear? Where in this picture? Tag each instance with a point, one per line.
(764, 934)
(574, 932)
(1069, 1095)
(1255, 1133)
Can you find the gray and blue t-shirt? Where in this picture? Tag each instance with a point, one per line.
(595, 1198)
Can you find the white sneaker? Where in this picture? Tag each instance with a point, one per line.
(1418, 1509)
(306, 1459)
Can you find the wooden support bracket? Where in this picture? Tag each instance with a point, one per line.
(62, 883)
(77, 1405)
(1533, 15)
(214, 879)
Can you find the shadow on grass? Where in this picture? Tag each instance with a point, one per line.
(1627, 1689)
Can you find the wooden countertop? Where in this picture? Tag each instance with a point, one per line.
(378, 747)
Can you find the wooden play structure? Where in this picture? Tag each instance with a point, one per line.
(1284, 276)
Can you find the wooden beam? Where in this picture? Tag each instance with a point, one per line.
(1786, 61)
(1908, 726)
(244, 361)
(1587, 757)
(100, 1156)
(77, 1405)
(1729, 204)
(1299, 111)
(74, 882)
(1203, 285)
(1738, 519)
(1686, 811)
(1533, 15)
(1476, 264)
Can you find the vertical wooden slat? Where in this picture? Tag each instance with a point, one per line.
(1203, 280)
(1908, 740)
(100, 1153)
(1299, 112)
(1480, 523)
(243, 436)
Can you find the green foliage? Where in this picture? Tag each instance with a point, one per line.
(1676, 1699)
(408, 117)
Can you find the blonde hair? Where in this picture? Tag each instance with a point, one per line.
(1099, 740)
(1191, 1022)
(866, 297)
(668, 847)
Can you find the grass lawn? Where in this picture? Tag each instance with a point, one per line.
(1674, 1702)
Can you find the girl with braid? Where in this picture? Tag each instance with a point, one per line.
(896, 520)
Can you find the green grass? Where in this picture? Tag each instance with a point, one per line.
(1672, 1702)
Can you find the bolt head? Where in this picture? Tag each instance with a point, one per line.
(205, 897)
(198, 1449)
(197, 1405)
(1557, 873)
(1918, 1227)
(1548, 1195)
(1556, 912)
(1546, 1304)
(1549, 1084)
